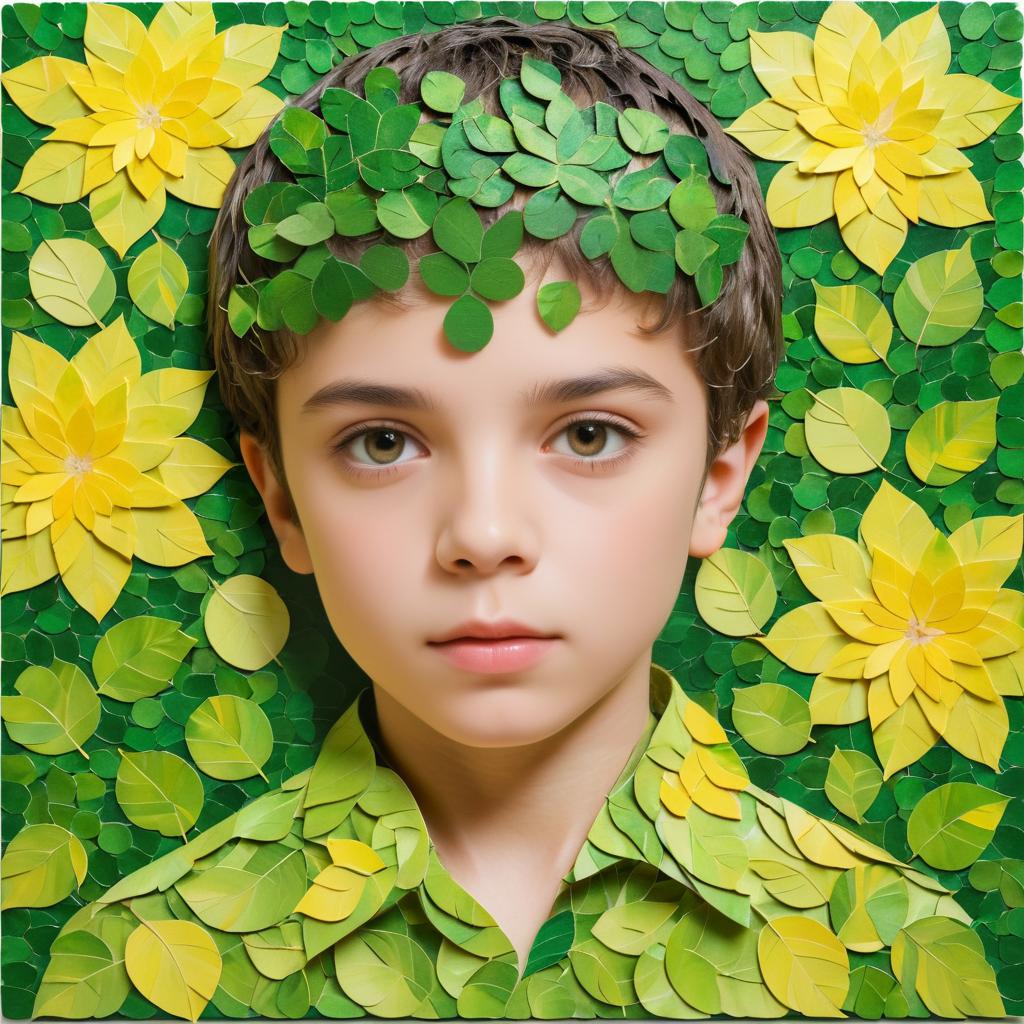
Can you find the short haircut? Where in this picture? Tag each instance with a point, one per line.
(736, 342)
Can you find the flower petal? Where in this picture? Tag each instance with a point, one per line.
(796, 200)
(953, 200)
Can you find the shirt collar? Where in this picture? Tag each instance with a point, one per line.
(677, 736)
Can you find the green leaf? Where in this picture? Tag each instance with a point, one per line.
(497, 278)
(603, 973)
(729, 233)
(642, 130)
(734, 592)
(686, 156)
(71, 281)
(468, 324)
(852, 782)
(138, 657)
(868, 905)
(540, 78)
(847, 431)
(158, 281)
(246, 621)
(442, 274)
(633, 927)
(385, 970)
(229, 737)
(255, 886)
(409, 212)
(943, 961)
(159, 791)
(692, 203)
(851, 323)
(504, 236)
(56, 712)
(951, 439)
(287, 299)
(386, 266)
(458, 231)
(242, 303)
(940, 297)
(42, 865)
(584, 185)
(772, 718)
(951, 826)
(312, 223)
(558, 302)
(442, 91)
(692, 248)
(84, 978)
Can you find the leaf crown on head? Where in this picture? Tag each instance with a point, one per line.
(382, 168)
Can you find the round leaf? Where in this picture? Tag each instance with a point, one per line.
(158, 790)
(851, 323)
(158, 281)
(138, 657)
(468, 324)
(246, 621)
(804, 965)
(71, 281)
(42, 865)
(497, 278)
(951, 826)
(772, 718)
(56, 711)
(442, 91)
(852, 782)
(458, 231)
(951, 439)
(847, 431)
(558, 302)
(735, 592)
(229, 737)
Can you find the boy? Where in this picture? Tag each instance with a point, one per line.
(522, 816)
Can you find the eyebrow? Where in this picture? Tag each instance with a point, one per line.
(612, 378)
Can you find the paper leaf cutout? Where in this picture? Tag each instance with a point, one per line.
(734, 592)
(868, 906)
(158, 790)
(951, 439)
(558, 302)
(246, 621)
(84, 978)
(139, 656)
(229, 737)
(389, 972)
(772, 718)
(805, 965)
(940, 297)
(847, 431)
(851, 323)
(158, 281)
(56, 709)
(852, 782)
(951, 826)
(71, 281)
(175, 964)
(42, 865)
(253, 887)
(943, 962)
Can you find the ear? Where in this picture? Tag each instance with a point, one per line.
(277, 499)
(725, 484)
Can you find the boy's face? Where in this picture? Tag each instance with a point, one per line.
(489, 506)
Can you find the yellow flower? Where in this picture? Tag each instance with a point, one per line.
(912, 630)
(873, 128)
(711, 771)
(95, 474)
(148, 113)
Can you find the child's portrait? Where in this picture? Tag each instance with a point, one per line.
(512, 510)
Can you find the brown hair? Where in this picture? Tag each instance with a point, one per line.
(736, 342)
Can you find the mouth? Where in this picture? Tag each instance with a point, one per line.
(495, 654)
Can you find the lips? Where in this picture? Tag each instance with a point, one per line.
(481, 631)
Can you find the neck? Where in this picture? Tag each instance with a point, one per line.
(494, 809)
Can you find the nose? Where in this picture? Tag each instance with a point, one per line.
(487, 518)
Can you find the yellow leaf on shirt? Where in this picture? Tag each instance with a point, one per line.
(805, 965)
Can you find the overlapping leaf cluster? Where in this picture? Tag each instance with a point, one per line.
(327, 893)
(382, 168)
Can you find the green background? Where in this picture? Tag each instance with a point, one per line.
(789, 493)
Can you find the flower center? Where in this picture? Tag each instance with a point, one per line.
(149, 116)
(920, 633)
(874, 136)
(78, 465)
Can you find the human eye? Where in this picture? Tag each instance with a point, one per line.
(593, 440)
(382, 443)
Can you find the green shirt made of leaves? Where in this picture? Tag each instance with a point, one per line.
(695, 893)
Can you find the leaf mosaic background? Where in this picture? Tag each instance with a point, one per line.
(147, 698)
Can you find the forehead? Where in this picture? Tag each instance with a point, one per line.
(405, 346)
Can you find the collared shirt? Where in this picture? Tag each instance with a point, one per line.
(694, 893)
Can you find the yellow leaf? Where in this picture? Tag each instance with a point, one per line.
(32, 371)
(674, 795)
(851, 323)
(351, 853)
(978, 729)
(701, 724)
(1007, 674)
(920, 48)
(904, 737)
(191, 467)
(181, 30)
(41, 88)
(207, 172)
(952, 200)
(108, 358)
(897, 523)
(168, 535)
(838, 701)
(121, 215)
(847, 431)
(334, 894)
(163, 403)
(815, 841)
(831, 567)
(95, 575)
(989, 549)
(250, 52)
(971, 109)
(804, 965)
(796, 200)
(113, 34)
(248, 117)
(806, 638)
(876, 236)
(174, 964)
(777, 58)
(246, 621)
(771, 131)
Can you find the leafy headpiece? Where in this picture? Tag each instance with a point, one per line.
(382, 168)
